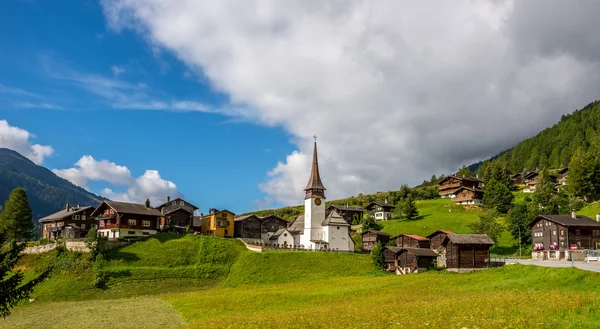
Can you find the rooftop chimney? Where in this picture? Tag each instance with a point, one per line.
(147, 203)
(573, 214)
(598, 217)
(168, 198)
(67, 208)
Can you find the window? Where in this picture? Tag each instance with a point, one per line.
(562, 243)
(181, 203)
(83, 226)
(75, 217)
(132, 222)
(554, 233)
(146, 233)
(596, 232)
(131, 232)
(577, 232)
(562, 232)
(174, 203)
(82, 217)
(162, 210)
(146, 223)
(60, 224)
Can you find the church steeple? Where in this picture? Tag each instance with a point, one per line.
(315, 187)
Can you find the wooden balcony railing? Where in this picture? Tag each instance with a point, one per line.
(107, 216)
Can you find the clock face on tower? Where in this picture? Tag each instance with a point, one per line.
(318, 201)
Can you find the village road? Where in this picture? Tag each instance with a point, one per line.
(593, 266)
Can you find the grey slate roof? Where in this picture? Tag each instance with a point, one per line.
(297, 225)
(425, 252)
(131, 208)
(469, 239)
(567, 220)
(334, 219)
(177, 199)
(64, 214)
(244, 217)
(345, 208)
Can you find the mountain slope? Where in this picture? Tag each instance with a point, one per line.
(553, 147)
(47, 193)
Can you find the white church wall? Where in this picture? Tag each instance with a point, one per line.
(285, 239)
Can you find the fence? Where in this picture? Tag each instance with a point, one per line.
(497, 260)
(593, 255)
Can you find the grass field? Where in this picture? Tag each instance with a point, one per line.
(444, 214)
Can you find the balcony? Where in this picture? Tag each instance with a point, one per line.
(107, 216)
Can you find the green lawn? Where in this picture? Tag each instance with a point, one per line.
(444, 214)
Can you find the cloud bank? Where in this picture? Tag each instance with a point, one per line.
(396, 90)
(19, 140)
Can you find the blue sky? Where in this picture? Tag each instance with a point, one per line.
(219, 100)
(215, 160)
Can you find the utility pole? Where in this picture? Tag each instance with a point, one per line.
(520, 242)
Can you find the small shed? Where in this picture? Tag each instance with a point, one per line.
(408, 260)
(467, 252)
(370, 239)
(411, 241)
(436, 238)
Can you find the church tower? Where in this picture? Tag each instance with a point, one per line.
(314, 206)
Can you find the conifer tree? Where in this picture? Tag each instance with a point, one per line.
(488, 224)
(409, 209)
(16, 218)
(497, 196)
(464, 172)
(377, 257)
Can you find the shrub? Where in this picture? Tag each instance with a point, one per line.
(377, 256)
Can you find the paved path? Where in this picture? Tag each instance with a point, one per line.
(592, 266)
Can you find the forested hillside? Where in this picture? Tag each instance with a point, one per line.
(46, 192)
(554, 146)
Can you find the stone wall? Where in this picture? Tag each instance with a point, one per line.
(77, 246)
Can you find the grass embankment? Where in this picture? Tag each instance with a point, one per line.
(444, 214)
(515, 296)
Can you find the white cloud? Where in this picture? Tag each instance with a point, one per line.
(19, 140)
(17, 92)
(397, 90)
(148, 186)
(117, 70)
(29, 105)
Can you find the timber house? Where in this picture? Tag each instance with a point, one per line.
(380, 210)
(258, 228)
(467, 252)
(561, 177)
(449, 186)
(437, 238)
(370, 239)
(517, 179)
(177, 215)
(347, 212)
(408, 260)
(531, 180)
(126, 220)
(411, 241)
(468, 196)
(553, 235)
(69, 223)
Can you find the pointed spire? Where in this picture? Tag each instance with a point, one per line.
(315, 186)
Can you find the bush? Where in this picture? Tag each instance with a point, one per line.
(377, 256)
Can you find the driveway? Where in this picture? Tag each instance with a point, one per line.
(592, 266)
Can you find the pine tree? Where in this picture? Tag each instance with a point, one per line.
(519, 218)
(16, 219)
(12, 289)
(497, 196)
(409, 209)
(544, 190)
(488, 224)
(377, 257)
(464, 172)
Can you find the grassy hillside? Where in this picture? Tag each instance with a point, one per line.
(444, 214)
(289, 266)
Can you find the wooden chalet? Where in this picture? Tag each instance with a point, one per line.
(69, 223)
(468, 196)
(561, 177)
(553, 235)
(437, 238)
(531, 180)
(218, 223)
(517, 179)
(411, 241)
(467, 252)
(370, 239)
(177, 215)
(380, 210)
(408, 260)
(254, 227)
(347, 212)
(449, 186)
(126, 220)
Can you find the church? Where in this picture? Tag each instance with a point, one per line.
(316, 229)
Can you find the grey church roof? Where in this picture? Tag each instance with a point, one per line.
(334, 219)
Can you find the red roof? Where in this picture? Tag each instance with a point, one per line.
(446, 231)
(416, 237)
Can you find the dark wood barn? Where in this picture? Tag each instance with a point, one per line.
(466, 252)
(254, 227)
(178, 215)
(370, 239)
(411, 241)
(437, 238)
(408, 260)
(348, 213)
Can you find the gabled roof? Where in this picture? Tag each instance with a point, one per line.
(381, 204)
(280, 232)
(376, 232)
(346, 208)
(129, 208)
(515, 175)
(563, 170)
(334, 219)
(177, 199)
(244, 217)
(218, 212)
(531, 175)
(297, 225)
(314, 182)
(197, 221)
(412, 236)
(64, 214)
(272, 216)
(469, 189)
(567, 220)
(482, 239)
(440, 231)
(476, 179)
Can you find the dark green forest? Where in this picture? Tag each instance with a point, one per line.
(553, 147)
(46, 192)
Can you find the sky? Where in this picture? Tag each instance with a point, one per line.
(217, 101)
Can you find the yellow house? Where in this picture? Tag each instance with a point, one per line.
(218, 223)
